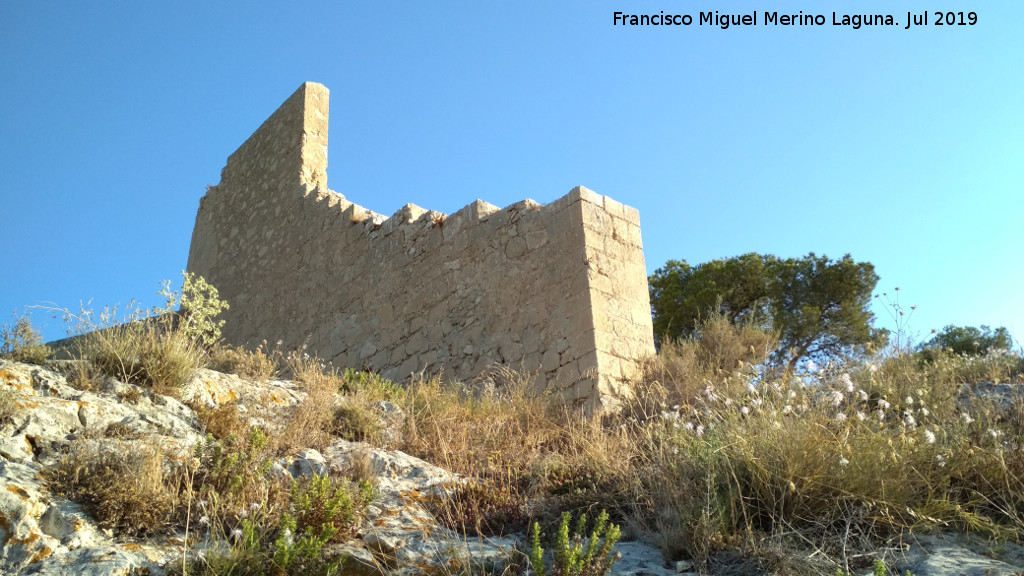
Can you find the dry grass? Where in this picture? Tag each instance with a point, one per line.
(222, 421)
(259, 365)
(308, 424)
(144, 353)
(8, 404)
(133, 488)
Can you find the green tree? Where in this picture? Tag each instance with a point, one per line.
(971, 341)
(818, 306)
(736, 288)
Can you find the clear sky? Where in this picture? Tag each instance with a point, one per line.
(904, 148)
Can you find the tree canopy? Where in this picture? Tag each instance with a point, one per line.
(971, 341)
(818, 306)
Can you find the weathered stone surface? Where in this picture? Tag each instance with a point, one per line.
(961, 555)
(51, 412)
(420, 290)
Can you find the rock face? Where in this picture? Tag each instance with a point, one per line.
(43, 533)
(559, 290)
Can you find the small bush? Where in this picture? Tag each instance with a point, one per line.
(490, 504)
(355, 421)
(130, 488)
(323, 501)
(159, 348)
(320, 510)
(369, 386)
(232, 476)
(308, 424)
(260, 365)
(569, 557)
(200, 304)
(223, 421)
(8, 404)
(22, 343)
(723, 355)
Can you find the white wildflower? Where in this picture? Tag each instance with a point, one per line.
(909, 420)
(861, 415)
(202, 503)
(777, 425)
(791, 395)
(709, 393)
(881, 415)
(843, 461)
(688, 426)
(243, 513)
(994, 433)
(909, 400)
(940, 460)
(883, 404)
(205, 520)
(744, 410)
(756, 401)
(811, 367)
(872, 368)
(929, 436)
(700, 430)
(254, 506)
(846, 382)
(840, 417)
(751, 389)
(923, 411)
(967, 418)
(787, 409)
(836, 397)
(236, 533)
(862, 395)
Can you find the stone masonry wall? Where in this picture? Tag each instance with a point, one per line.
(559, 290)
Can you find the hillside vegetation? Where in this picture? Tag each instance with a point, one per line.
(716, 455)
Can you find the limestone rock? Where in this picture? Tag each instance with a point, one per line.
(962, 555)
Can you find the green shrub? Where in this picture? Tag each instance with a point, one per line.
(233, 474)
(319, 510)
(569, 557)
(22, 343)
(322, 501)
(200, 304)
(369, 385)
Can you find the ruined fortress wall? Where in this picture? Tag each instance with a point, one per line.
(559, 290)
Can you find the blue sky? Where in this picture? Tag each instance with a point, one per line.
(904, 148)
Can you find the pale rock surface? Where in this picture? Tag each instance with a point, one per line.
(960, 555)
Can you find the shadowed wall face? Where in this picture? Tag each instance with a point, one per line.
(558, 290)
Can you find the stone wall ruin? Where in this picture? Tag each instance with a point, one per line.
(558, 290)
